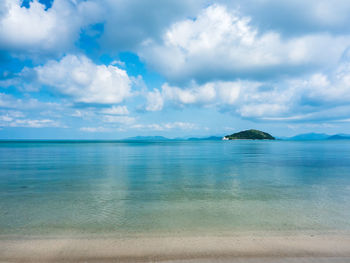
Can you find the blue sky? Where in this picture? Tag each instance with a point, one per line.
(109, 69)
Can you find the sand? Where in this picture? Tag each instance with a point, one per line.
(242, 248)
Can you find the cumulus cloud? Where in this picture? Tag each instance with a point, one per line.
(263, 60)
(244, 98)
(38, 31)
(297, 17)
(197, 94)
(200, 95)
(222, 44)
(330, 89)
(321, 95)
(128, 23)
(86, 82)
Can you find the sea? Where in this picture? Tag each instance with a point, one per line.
(120, 188)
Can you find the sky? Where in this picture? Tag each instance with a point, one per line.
(111, 69)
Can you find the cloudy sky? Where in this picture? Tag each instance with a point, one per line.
(109, 69)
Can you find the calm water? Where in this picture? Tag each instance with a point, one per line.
(172, 187)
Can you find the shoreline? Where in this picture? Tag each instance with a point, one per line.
(256, 248)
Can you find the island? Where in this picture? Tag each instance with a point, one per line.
(249, 135)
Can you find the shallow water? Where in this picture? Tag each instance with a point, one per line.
(174, 187)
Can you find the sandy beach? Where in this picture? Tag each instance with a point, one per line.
(252, 248)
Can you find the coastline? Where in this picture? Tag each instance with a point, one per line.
(255, 248)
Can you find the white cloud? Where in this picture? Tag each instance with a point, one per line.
(126, 120)
(261, 110)
(220, 57)
(130, 22)
(7, 100)
(222, 44)
(210, 93)
(118, 63)
(38, 31)
(35, 123)
(10, 102)
(78, 113)
(17, 119)
(95, 129)
(197, 94)
(229, 92)
(86, 82)
(116, 110)
(24, 81)
(155, 101)
(317, 96)
(332, 88)
(295, 17)
(127, 23)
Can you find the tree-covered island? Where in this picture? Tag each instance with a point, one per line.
(249, 135)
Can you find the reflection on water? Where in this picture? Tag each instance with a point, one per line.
(49, 188)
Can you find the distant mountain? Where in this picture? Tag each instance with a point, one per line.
(309, 137)
(339, 137)
(211, 138)
(161, 138)
(317, 137)
(147, 138)
(249, 135)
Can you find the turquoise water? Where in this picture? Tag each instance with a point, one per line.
(173, 187)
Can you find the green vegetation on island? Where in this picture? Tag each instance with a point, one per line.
(249, 135)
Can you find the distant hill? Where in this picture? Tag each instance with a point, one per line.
(309, 137)
(318, 137)
(211, 138)
(339, 137)
(161, 138)
(249, 135)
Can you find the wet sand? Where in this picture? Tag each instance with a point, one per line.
(249, 249)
